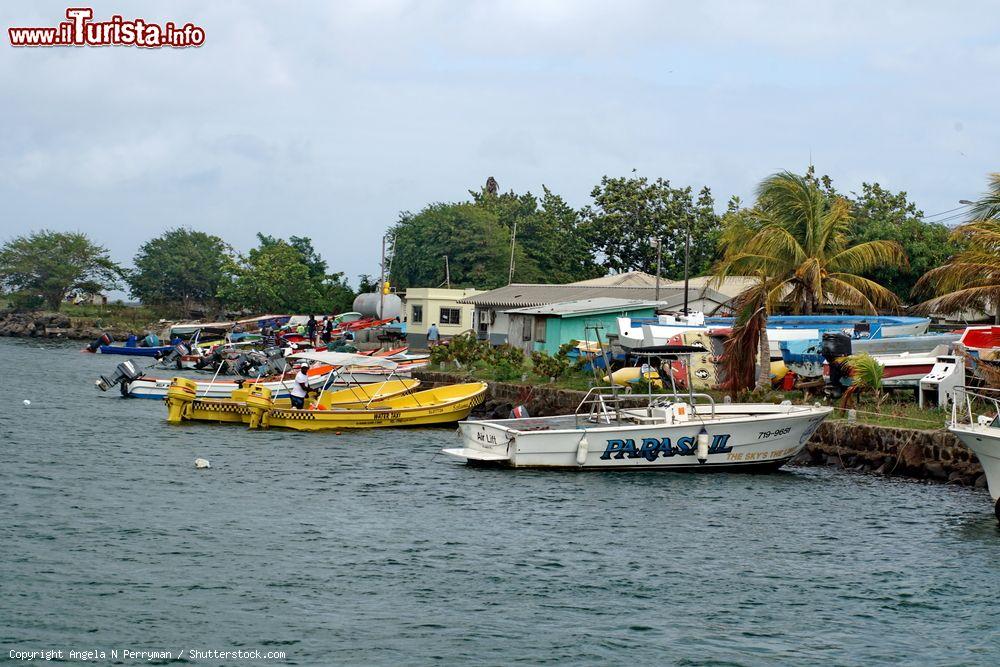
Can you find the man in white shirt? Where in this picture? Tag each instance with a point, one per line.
(300, 387)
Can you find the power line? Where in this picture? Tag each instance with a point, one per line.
(934, 215)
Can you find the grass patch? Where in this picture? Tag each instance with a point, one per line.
(113, 316)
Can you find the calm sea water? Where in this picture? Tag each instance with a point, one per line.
(373, 548)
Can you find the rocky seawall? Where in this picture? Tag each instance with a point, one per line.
(932, 455)
(51, 325)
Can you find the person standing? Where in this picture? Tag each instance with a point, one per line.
(327, 330)
(311, 328)
(433, 336)
(300, 387)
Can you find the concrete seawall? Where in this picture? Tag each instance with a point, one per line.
(933, 455)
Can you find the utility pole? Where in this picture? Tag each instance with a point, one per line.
(381, 284)
(659, 256)
(513, 237)
(447, 273)
(687, 261)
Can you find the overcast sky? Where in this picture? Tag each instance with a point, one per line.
(327, 119)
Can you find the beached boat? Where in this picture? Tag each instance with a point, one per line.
(975, 420)
(646, 332)
(668, 434)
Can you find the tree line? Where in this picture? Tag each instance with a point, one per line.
(182, 270)
(476, 242)
(619, 229)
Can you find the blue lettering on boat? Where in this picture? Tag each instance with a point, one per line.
(653, 448)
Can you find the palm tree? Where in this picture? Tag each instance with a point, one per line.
(800, 240)
(971, 279)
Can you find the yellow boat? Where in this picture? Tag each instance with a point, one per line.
(442, 405)
(184, 406)
(256, 408)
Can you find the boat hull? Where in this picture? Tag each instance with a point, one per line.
(984, 441)
(765, 440)
(136, 351)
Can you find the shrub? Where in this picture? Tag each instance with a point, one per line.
(547, 366)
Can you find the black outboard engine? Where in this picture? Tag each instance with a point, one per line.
(836, 349)
(105, 339)
(174, 355)
(125, 373)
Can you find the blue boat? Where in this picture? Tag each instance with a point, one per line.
(135, 350)
(858, 327)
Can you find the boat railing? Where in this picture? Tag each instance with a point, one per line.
(976, 406)
(604, 405)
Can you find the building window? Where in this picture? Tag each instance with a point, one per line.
(418, 315)
(539, 329)
(451, 316)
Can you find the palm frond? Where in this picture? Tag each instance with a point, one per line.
(869, 255)
(866, 371)
(970, 298)
(987, 207)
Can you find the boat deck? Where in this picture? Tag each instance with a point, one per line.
(636, 416)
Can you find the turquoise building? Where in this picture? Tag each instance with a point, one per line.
(545, 328)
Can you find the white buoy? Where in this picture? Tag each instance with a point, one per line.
(702, 445)
(26, 402)
(581, 450)
(201, 464)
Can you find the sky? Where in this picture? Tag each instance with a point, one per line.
(327, 119)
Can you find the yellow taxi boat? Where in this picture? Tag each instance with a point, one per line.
(182, 405)
(386, 403)
(442, 405)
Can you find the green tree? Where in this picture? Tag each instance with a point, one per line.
(549, 232)
(628, 213)
(282, 276)
(476, 244)
(303, 245)
(883, 215)
(802, 241)
(180, 266)
(54, 265)
(367, 284)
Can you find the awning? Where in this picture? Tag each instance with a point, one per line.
(344, 359)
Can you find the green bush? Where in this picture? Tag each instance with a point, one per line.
(546, 366)
(26, 301)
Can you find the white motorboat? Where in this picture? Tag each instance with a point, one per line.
(975, 420)
(137, 385)
(669, 433)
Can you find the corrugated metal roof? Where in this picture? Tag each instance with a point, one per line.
(628, 279)
(589, 306)
(520, 295)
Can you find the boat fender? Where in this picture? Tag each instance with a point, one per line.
(581, 450)
(702, 445)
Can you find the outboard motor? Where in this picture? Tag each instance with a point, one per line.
(125, 373)
(174, 356)
(105, 339)
(836, 349)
